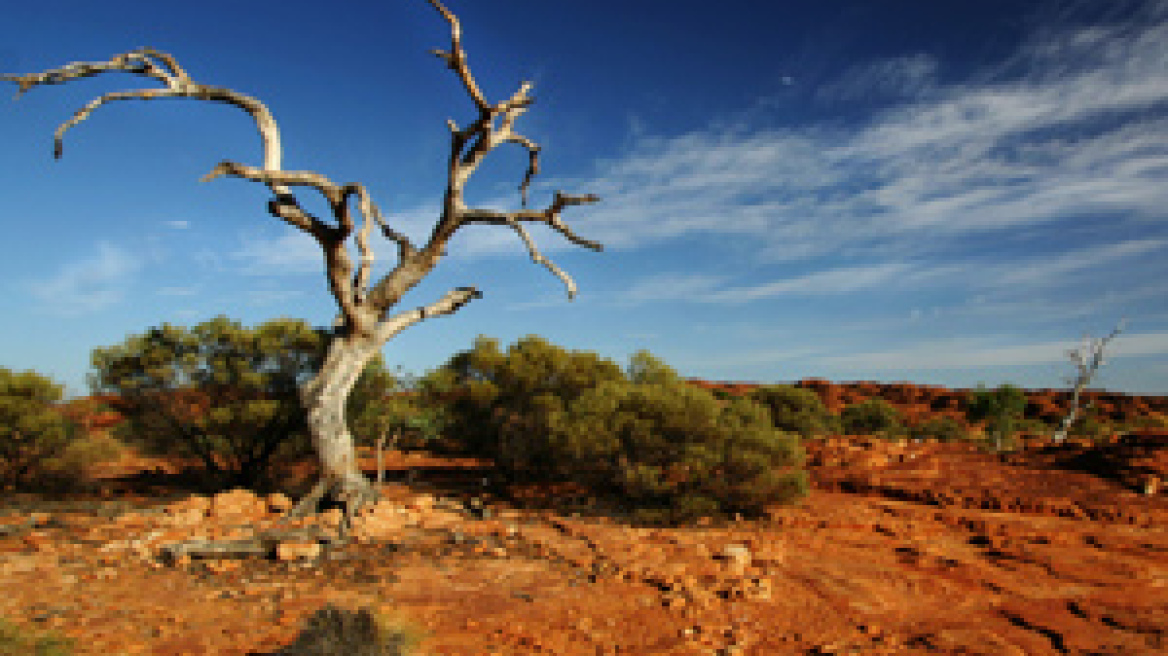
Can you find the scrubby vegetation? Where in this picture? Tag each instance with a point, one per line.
(15, 641)
(226, 394)
(499, 401)
(674, 452)
(872, 417)
(940, 428)
(796, 410)
(333, 631)
(669, 451)
(999, 410)
(35, 435)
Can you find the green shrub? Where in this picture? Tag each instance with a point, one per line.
(224, 393)
(942, 429)
(643, 438)
(1154, 421)
(644, 368)
(1034, 426)
(498, 402)
(333, 632)
(16, 641)
(872, 417)
(34, 434)
(673, 452)
(796, 410)
(1000, 410)
(1091, 426)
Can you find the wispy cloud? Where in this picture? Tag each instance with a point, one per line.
(968, 353)
(1073, 127)
(178, 224)
(829, 281)
(89, 284)
(289, 252)
(1004, 278)
(271, 296)
(670, 287)
(1045, 270)
(906, 76)
(177, 291)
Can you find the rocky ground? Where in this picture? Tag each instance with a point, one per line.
(899, 549)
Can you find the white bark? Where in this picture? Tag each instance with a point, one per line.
(365, 322)
(1087, 360)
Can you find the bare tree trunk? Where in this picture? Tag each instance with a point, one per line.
(324, 398)
(1087, 359)
(365, 321)
(1072, 415)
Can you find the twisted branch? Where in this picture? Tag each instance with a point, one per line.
(469, 145)
(362, 306)
(348, 289)
(448, 304)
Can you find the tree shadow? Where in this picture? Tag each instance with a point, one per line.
(1120, 461)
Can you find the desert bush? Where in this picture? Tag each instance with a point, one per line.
(224, 393)
(1000, 411)
(672, 452)
(499, 401)
(34, 434)
(722, 394)
(1154, 421)
(644, 368)
(1034, 426)
(942, 429)
(1091, 426)
(872, 417)
(332, 632)
(16, 641)
(796, 410)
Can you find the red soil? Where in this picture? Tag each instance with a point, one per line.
(899, 549)
(923, 401)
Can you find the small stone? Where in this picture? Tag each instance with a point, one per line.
(279, 503)
(738, 557)
(332, 517)
(222, 566)
(236, 504)
(1151, 486)
(298, 551)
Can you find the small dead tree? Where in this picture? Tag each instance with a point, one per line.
(1087, 360)
(365, 321)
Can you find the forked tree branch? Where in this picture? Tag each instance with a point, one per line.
(363, 305)
(347, 288)
(1088, 358)
(364, 321)
(448, 304)
(493, 127)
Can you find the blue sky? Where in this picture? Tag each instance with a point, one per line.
(942, 192)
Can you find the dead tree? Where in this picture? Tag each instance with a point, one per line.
(365, 321)
(1087, 360)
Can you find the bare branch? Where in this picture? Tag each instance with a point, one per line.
(469, 145)
(1087, 360)
(334, 193)
(145, 63)
(370, 213)
(448, 304)
(550, 216)
(456, 57)
(363, 322)
(539, 258)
